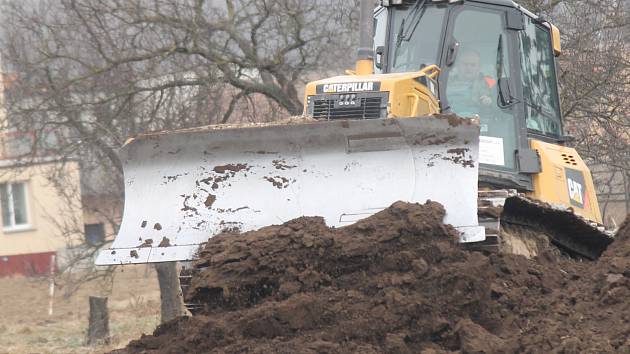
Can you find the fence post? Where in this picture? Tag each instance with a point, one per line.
(98, 329)
(51, 285)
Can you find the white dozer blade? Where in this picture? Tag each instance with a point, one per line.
(183, 187)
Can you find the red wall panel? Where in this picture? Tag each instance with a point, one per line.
(26, 264)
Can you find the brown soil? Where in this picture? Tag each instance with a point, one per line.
(396, 282)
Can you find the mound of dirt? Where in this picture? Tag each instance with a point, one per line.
(396, 282)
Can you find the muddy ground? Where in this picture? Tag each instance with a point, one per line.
(396, 282)
(27, 328)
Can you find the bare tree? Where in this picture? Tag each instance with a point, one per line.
(595, 82)
(91, 74)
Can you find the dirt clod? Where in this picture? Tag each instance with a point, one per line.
(210, 200)
(147, 243)
(396, 282)
(278, 181)
(230, 168)
(165, 242)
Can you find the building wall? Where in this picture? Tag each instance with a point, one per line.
(49, 214)
(612, 193)
(54, 219)
(103, 209)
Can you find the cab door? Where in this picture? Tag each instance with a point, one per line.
(480, 72)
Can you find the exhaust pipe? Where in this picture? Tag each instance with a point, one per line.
(365, 55)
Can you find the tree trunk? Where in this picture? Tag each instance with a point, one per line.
(98, 328)
(172, 301)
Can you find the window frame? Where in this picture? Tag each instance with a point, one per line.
(13, 227)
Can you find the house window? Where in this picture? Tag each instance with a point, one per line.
(95, 234)
(13, 203)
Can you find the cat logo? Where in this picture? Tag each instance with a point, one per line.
(575, 186)
(575, 191)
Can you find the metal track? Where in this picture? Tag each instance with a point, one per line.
(489, 209)
(565, 229)
(573, 234)
(185, 277)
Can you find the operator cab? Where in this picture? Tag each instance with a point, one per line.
(497, 62)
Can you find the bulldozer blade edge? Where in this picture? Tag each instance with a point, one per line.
(184, 187)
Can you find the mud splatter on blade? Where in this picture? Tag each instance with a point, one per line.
(183, 187)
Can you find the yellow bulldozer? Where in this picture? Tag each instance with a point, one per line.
(455, 101)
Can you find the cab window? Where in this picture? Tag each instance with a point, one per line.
(479, 46)
(540, 91)
(380, 34)
(415, 35)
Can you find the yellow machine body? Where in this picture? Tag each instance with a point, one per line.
(565, 180)
(410, 94)
(555, 40)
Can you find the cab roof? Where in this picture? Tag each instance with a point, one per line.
(509, 3)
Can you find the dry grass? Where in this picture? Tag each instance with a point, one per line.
(25, 326)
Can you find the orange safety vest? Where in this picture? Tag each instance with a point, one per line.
(490, 81)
